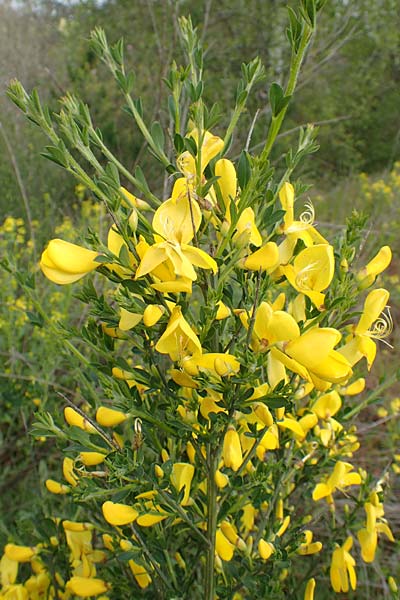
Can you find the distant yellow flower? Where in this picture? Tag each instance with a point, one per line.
(368, 536)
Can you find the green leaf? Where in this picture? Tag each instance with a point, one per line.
(157, 134)
(244, 170)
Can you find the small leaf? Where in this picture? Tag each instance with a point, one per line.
(244, 170)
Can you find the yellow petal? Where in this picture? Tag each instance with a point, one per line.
(142, 577)
(68, 258)
(265, 258)
(19, 553)
(75, 419)
(119, 514)
(310, 588)
(265, 549)
(68, 471)
(378, 264)
(327, 405)
(223, 546)
(181, 477)
(223, 311)
(90, 459)
(152, 314)
(232, 450)
(86, 586)
(150, 519)
(225, 171)
(54, 487)
(8, 571)
(373, 306)
(179, 339)
(128, 320)
(109, 417)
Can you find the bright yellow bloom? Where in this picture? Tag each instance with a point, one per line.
(110, 417)
(218, 363)
(68, 471)
(139, 572)
(232, 450)
(370, 326)
(342, 568)
(90, 459)
(341, 477)
(308, 546)
(265, 258)
(312, 272)
(223, 547)
(270, 327)
(379, 263)
(368, 536)
(86, 586)
(63, 262)
(152, 314)
(8, 570)
(296, 230)
(178, 340)
(181, 478)
(75, 419)
(327, 405)
(128, 320)
(178, 219)
(54, 487)
(265, 549)
(20, 554)
(119, 514)
(310, 588)
(211, 145)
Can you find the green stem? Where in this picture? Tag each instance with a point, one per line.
(297, 59)
(212, 461)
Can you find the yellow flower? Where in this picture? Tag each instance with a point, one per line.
(63, 262)
(54, 487)
(310, 588)
(20, 554)
(223, 547)
(87, 586)
(308, 546)
(8, 570)
(341, 477)
(327, 405)
(119, 514)
(218, 363)
(181, 478)
(296, 230)
(265, 258)
(77, 420)
(211, 145)
(232, 450)
(110, 417)
(379, 263)
(342, 568)
(90, 459)
(178, 219)
(178, 340)
(270, 327)
(368, 536)
(371, 325)
(312, 272)
(265, 549)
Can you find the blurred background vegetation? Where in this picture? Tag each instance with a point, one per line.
(349, 87)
